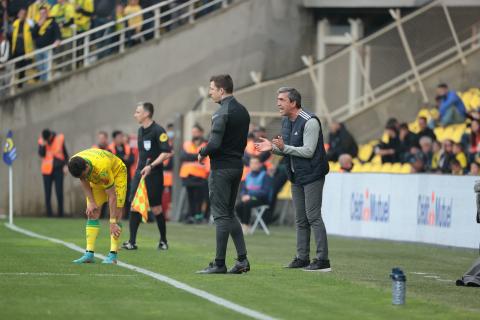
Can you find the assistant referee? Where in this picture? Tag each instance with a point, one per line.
(153, 149)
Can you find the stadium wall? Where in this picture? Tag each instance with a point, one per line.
(420, 208)
(250, 35)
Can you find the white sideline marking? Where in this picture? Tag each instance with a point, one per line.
(174, 283)
(63, 274)
(432, 276)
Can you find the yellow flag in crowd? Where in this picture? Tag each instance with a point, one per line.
(140, 201)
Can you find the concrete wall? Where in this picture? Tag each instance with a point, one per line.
(267, 36)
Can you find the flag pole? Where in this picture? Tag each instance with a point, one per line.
(10, 195)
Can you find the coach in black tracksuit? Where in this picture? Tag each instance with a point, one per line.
(225, 148)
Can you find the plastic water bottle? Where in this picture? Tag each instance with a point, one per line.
(398, 286)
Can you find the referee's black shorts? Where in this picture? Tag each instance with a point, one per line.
(154, 183)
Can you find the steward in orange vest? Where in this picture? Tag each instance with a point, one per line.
(52, 150)
(194, 177)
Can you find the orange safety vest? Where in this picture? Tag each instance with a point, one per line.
(112, 149)
(250, 149)
(52, 151)
(193, 168)
(167, 174)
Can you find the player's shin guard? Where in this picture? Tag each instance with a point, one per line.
(92, 229)
(115, 242)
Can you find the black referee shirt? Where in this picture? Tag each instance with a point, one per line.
(152, 141)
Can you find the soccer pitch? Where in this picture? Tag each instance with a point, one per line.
(39, 281)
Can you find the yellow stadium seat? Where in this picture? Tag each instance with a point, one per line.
(413, 126)
(385, 137)
(396, 168)
(334, 166)
(386, 167)
(364, 152)
(406, 168)
(376, 167)
(377, 160)
(474, 102)
(366, 167)
(458, 131)
(373, 143)
(466, 99)
(448, 132)
(439, 132)
(424, 112)
(358, 167)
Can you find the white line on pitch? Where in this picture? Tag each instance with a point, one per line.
(174, 283)
(63, 274)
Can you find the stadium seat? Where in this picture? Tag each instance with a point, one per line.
(365, 151)
(386, 168)
(458, 131)
(357, 167)
(376, 167)
(397, 168)
(377, 159)
(334, 166)
(439, 132)
(424, 112)
(406, 168)
(366, 167)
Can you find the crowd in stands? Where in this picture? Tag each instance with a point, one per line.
(444, 139)
(27, 25)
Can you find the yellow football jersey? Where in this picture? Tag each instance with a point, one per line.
(104, 165)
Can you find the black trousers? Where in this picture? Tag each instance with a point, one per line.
(223, 187)
(197, 195)
(57, 178)
(244, 209)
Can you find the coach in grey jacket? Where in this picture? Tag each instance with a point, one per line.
(301, 143)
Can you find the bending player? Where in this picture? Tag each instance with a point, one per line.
(102, 175)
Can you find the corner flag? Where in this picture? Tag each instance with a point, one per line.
(9, 151)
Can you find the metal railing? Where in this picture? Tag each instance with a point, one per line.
(86, 48)
(397, 57)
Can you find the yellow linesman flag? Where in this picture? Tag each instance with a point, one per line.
(140, 201)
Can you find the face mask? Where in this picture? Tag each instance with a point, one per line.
(170, 134)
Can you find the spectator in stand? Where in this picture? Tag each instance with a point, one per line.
(134, 23)
(408, 140)
(148, 16)
(437, 152)
(102, 140)
(14, 7)
(456, 167)
(194, 176)
(471, 141)
(426, 148)
(474, 169)
(64, 14)
(105, 12)
(346, 162)
(255, 191)
(389, 151)
(446, 156)
(22, 42)
(119, 25)
(451, 108)
(417, 161)
(254, 136)
(45, 33)
(460, 155)
(425, 130)
(340, 141)
(83, 18)
(33, 12)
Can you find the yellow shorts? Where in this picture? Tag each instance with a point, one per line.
(120, 183)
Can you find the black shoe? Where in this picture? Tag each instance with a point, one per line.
(298, 263)
(162, 245)
(240, 267)
(319, 266)
(213, 268)
(129, 246)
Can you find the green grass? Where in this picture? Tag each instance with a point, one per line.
(358, 287)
